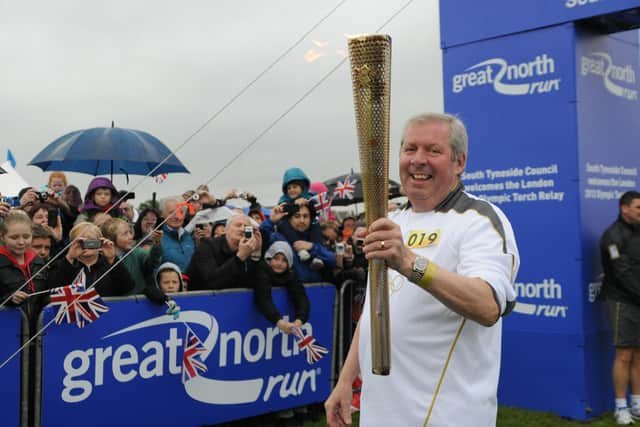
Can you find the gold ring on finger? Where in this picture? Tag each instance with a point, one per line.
(382, 245)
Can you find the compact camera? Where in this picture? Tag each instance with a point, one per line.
(91, 244)
(248, 232)
(43, 197)
(339, 248)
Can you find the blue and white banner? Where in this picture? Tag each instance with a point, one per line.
(608, 106)
(515, 94)
(219, 361)
(552, 119)
(465, 21)
(10, 332)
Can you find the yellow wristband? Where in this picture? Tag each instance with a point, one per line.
(427, 277)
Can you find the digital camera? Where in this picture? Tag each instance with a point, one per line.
(248, 232)
(91, 244)
(339, 248)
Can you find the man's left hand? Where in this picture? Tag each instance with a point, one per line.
(384, 241)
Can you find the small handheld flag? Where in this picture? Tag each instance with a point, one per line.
(75, 304)
(307, 343)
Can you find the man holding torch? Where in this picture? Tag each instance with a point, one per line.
(452, 262)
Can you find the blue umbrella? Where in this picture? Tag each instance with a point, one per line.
(102, 151)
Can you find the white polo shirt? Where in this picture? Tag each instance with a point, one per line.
(473, 238)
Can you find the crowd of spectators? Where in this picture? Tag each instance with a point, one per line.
(190, 242)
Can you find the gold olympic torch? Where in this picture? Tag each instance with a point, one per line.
(370, 57)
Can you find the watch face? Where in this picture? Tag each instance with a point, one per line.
(419, 267)
(420, 264)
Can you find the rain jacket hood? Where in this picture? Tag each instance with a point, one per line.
(98, 182)
(168, 266)
(295, 174)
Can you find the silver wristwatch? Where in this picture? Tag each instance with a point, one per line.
(418, 269)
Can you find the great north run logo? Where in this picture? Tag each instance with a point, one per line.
(617, 79)
(90, 369)
(524, 78)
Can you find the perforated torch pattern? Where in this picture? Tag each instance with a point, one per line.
(370, 57)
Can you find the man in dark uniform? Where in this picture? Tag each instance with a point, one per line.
(620, 253)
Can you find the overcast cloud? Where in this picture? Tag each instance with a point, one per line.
(166, 66)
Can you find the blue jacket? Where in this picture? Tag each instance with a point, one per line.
(305, 274)
(295, 174)
(177, 248)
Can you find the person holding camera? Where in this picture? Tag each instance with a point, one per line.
(295, 189)
(228, 261)
(203, 229)
(300, 240)
(94, 254)
(41, 214)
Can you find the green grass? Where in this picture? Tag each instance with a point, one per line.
(512, 417)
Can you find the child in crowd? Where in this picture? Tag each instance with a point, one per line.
(168, 278)
(42, 241)
(277, 270)
(99, 199)
(92, 253)
(19, 264)
(295, 189)
(57, 182)
(139, 263)
(295, 185)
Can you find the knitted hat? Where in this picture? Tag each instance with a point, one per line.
(280, 247)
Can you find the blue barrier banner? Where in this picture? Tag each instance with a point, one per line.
(464, 21)
(517, 98)
(126, 368)
(10, 331)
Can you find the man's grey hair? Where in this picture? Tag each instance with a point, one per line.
(243, 216)
(162, 204)
(458, 139)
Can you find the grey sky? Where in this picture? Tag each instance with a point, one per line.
(166, 66)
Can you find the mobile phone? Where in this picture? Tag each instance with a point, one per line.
(339, 248)
(248, 232)
(52, 218)
(91, 244)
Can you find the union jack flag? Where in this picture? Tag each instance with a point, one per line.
(161, 178)
(307, 343)
(75, 304)
(191, 358)
(344, 189)
(322, 204)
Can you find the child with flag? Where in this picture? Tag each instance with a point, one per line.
(95, 262)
